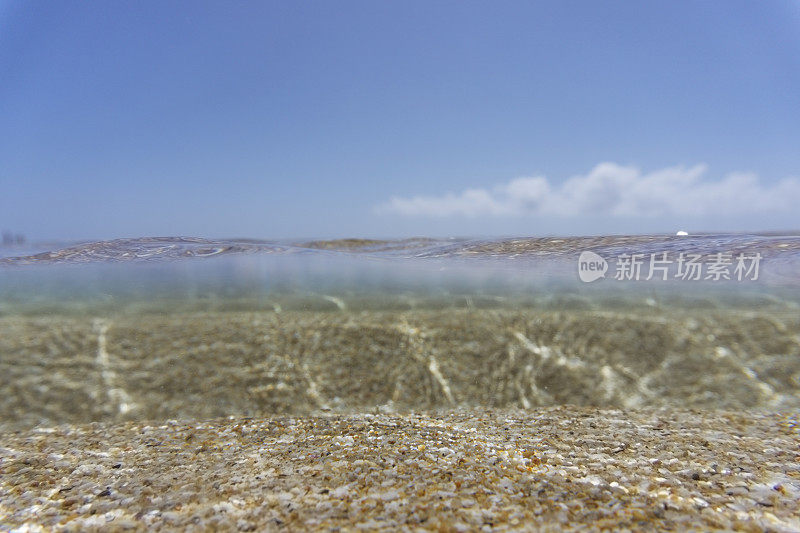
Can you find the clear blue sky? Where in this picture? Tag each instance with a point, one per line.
(334, 119)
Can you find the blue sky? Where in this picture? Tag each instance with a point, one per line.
(390, 119)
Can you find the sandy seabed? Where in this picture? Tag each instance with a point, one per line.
(75, 369)
(423, 419)
(549, 469)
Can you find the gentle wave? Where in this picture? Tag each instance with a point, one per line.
(536, 248)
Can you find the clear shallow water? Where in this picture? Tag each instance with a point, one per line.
(188, 328)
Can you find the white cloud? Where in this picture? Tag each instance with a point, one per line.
(611, 189)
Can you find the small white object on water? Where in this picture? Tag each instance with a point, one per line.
(682, 233)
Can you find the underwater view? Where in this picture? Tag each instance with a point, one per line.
(553, 374)
(356, 266)
(155, 329)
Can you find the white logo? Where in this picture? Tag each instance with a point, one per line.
(692, 267)
(591, 267)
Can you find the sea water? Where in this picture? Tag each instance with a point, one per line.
(156, 329)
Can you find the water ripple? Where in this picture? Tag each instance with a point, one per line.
(770, 246)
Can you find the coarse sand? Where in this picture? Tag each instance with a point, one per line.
(548, 468)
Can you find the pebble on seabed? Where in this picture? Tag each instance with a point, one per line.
(550, 468)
